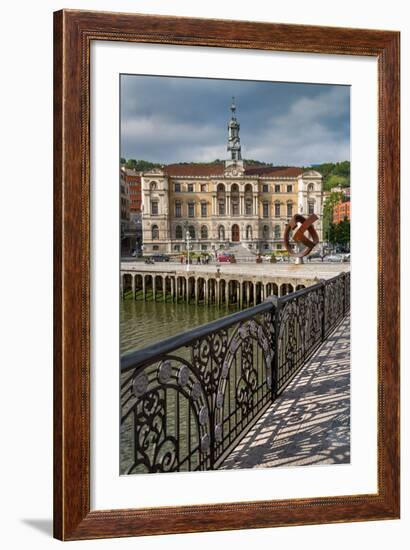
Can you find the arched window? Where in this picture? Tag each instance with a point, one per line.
(221, 233)
(155, 232)
(277, 231)
(311, 206)
(191, 230)
(266, 232)
(289, 211)
(310, 188)
(248, 232)
(204, 232)
(220, 198)
(153, 186)
(235, 199)
(248, 199)
(178, 232)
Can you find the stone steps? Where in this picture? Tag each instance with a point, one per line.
(241, 252)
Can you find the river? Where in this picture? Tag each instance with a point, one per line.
(143, 323)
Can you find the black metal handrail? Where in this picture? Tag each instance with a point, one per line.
(167, 345)
(187, 401)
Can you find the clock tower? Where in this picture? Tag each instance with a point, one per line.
(234, 142)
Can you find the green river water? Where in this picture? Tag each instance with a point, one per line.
(143, 323)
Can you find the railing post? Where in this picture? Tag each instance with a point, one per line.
(275, 362)
(323, 283)
(344, 294)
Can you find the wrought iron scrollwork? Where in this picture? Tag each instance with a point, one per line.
(207, 356)
(184, 408)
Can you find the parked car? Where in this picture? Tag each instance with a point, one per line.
(160, 258)
(224, 257)
(334, 258)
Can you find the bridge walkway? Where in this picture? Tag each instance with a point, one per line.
(309, 423)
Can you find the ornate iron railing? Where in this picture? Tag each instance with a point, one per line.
(188, 400)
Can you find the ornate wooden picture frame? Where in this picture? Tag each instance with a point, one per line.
(74, 32)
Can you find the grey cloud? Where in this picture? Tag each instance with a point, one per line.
(167, 120)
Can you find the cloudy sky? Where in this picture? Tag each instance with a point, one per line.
(166, 120)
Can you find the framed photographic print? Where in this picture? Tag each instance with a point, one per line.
(226, 275)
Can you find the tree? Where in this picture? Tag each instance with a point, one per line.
(131, 164)
(334, 174)
(339, 234)
(328, 207)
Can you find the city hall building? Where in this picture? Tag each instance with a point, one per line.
(225, 203)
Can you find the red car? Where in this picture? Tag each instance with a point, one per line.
(224, 257)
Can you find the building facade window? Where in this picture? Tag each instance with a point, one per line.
(177, 248)
(204, 210)
(178, 210)
(277, 209)
(265, 232)
(204, 232)
(289, 188)
(277, 188)
(178, 232)
(265, 188)
(155, 232)
(191, 230)
(203, 187)
(177, 188)
(311, 207)
(220, 197)
(154, 208)
(266, 210)
(190, 187)
(277, 231)
(235, 199)
(289, 209)
(191, 210)
(204, 247)
(248, 199)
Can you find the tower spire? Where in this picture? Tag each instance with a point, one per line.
(233, 106)
(234, 142)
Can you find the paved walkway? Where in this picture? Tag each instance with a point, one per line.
(310, 422)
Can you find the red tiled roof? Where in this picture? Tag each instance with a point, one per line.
(195, 169)
(219, 168)
(279, 171)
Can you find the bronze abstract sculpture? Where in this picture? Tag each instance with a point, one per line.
(306, 224)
